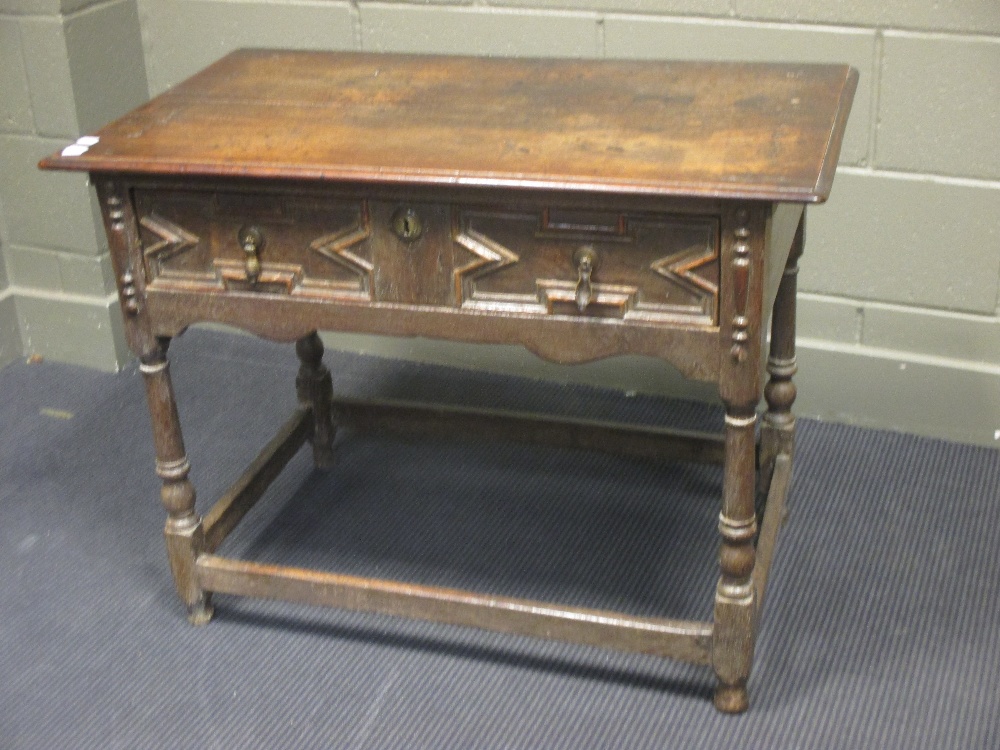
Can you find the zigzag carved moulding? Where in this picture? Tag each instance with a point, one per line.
(171, 240)
(339, 248)
(198, 248)
(681, 269)
(656, 267)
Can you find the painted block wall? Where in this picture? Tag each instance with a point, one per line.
(899, 319)
(66, 67)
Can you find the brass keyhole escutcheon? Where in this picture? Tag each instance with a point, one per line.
(407, 224)
(251, 239)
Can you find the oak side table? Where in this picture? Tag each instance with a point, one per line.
(580, 209)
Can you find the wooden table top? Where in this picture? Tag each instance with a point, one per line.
(732, 130)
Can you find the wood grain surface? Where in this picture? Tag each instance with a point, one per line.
(731, 130)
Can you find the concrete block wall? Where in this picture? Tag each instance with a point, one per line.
(899, 318)
(66, 66)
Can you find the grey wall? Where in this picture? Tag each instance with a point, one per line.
(66, 67)
(899, 323)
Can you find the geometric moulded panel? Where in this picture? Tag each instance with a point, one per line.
(640, 266)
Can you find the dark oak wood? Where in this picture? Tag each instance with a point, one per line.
(693, 350)
(774, 517)
(581, 209)
(184, 533)
(314, 386)
(753, 131)
(777, 435)
(430, 419)
(238, 500)
(496, 271)
(678, 639)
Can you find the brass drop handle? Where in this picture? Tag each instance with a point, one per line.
(251, 239)
(585, 259)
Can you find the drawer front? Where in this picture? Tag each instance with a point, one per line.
(548, 261)
(308, 246)
(604, 264)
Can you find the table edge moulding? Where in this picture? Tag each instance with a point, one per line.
(582, 209)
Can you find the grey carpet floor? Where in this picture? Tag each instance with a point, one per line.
(881, 629)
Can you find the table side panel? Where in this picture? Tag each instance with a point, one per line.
(781, 227)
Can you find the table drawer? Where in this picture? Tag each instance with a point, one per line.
(191, 240)
(539, 261)
(591, 263)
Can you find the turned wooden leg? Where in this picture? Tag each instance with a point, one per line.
(315, 390)
(777, 434)
(733, 633)
(184, 534)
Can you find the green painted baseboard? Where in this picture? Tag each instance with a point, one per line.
(10, 333)
(74, 329)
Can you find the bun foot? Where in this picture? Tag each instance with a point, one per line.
(731, 699)
(201, 612)
(324, 457)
